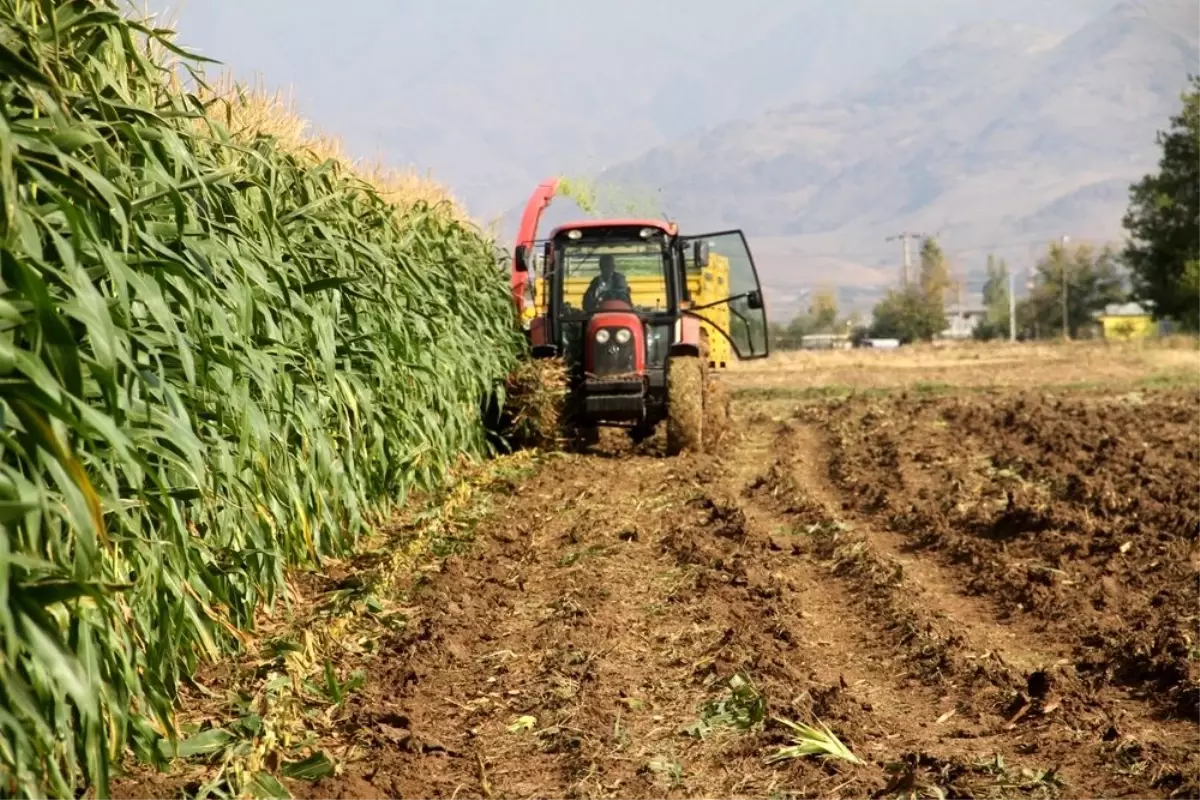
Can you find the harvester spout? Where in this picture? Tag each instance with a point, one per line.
(526, 235)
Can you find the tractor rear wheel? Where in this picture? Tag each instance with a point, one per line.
(685, 405)
(717, 412)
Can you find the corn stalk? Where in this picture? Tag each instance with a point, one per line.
(218, 358)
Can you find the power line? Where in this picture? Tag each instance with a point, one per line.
(959, 251)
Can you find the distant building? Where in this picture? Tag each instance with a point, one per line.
(825, 341)
(1126, 321)
(961, 324)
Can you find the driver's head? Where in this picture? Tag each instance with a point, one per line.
(607, 264)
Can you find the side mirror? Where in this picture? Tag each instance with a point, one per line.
(521, 258)
(754, 300)
(700, 254)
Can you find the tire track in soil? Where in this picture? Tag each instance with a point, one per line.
(610, 600)
(1086, 478)
(847, 651)
(612, 595)
(1017, 655)
(983, 631)
(950, 695)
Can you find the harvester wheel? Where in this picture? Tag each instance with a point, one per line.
(685, 405)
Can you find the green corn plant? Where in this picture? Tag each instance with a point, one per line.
(812, 741)
(218, 359)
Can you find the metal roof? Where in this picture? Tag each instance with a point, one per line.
(1124, 310)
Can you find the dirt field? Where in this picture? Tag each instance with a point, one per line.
(978, 571)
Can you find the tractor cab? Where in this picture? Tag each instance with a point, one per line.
(611, 297)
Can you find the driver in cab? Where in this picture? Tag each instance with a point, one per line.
(608, 285)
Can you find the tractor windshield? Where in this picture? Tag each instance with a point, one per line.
(628, 272)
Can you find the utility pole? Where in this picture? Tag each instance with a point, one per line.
(904, 237)
(1062, 252)
(1012, 306)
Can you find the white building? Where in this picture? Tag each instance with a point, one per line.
(963, 322)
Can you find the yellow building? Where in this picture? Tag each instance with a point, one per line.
(1127, 321)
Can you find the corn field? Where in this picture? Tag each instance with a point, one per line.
(218, 359)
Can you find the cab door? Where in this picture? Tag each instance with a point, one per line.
(730, 299)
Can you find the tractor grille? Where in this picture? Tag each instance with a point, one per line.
(613, 358)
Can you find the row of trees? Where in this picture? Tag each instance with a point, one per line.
(1159, 266)
(912, 313)
(1094, 279)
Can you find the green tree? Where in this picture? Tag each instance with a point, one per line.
(823, 312)
(995, 300)
(1163, 221)
(908, 315)
(916, 313)
(777, 336)
(1093, 279)
(935, 273)
(789, 336)
(820, 317)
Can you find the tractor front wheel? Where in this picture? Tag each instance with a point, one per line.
(685, 405)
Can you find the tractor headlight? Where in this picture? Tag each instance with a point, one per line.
(623, 336)
(602, 336)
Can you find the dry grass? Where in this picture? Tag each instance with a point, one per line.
(1168, 362)
(249, 111)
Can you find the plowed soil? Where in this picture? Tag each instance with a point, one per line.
(978, 599)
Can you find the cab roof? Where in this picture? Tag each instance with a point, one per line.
(670, 228)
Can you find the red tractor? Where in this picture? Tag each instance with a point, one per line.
(629, 309)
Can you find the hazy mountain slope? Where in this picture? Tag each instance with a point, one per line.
(996, 135)
(807, 56)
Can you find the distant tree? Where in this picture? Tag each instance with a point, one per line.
(789, 336)
(1094, 280)
(916, 313)
(908, 315)
(995, 299)
(777, 336)
(821, 316)
(935, 273)
(1163, 221)
(823, 312)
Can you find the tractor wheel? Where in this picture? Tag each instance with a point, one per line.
(640, 433)
(685, 405)
(586, 436)
(536, 409)
(717, 412)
